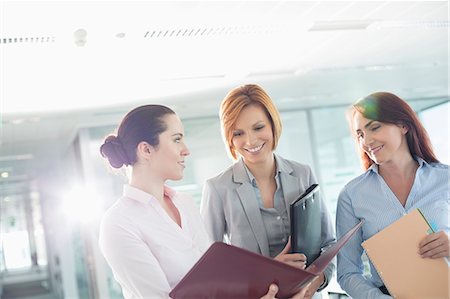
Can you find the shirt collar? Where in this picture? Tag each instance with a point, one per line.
(373, 167)
(252, 177)
(422, 163)
(144, 197)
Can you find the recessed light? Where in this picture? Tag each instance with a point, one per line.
(17, 121)
(80, 37)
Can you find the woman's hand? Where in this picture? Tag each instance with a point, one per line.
(435, 245)
(303, 293)
(297, 260)
(308, 291)
(273, 290)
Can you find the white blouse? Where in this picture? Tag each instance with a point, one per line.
(146, 250)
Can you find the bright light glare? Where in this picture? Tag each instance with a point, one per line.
(81, 204)
(16, 249)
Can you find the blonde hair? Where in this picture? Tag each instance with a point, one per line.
(235, 101)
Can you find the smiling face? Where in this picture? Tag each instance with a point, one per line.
(382, 142)
(169, 156)
(253, 135)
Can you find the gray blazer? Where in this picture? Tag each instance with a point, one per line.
(231, 212)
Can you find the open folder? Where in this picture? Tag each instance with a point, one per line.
(394, 253)
(227, 271)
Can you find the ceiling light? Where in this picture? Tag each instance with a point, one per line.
(17, 121)
(340, 25)
(379, 67)
(4, 174)
(17, 157)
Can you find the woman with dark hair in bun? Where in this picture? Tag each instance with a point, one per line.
(152, 235)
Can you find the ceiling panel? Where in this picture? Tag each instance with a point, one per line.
(428, 11)
(360, 10)
(392, 10)
(292, 10)
(326, 10)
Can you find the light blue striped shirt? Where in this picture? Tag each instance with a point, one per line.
(368, 197)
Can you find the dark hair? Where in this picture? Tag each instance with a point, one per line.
(388, 108)
(144, 123)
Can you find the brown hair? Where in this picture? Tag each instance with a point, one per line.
(235, 101)
(388, 108)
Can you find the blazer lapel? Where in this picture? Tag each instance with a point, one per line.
(250, 205)
(289, 183)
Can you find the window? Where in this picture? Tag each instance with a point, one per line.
(437, 123)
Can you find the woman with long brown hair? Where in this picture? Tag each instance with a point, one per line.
(401, 174)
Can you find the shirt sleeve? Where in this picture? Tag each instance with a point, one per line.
(349, 264)
(212, 212)
(133, 264)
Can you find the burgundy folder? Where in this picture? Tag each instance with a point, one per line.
(226, 271)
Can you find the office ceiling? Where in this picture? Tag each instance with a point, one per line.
(66, 65)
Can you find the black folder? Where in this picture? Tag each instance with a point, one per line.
(306, 225)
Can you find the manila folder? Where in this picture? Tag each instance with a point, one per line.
(394, 253)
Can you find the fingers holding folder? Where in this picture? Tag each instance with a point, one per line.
(271, 293)
(435, 245)
(394, 252)
(273, 290)
(297, 260)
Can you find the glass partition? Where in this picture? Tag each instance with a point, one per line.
(437, 122)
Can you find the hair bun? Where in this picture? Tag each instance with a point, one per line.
(113, 150)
